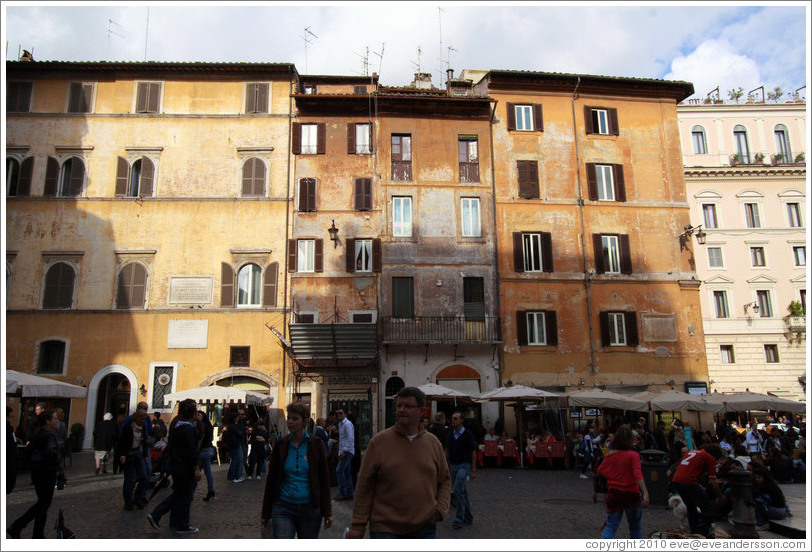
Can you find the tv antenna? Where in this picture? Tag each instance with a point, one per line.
(419, 54)
(308, 37)
(448, 60)
(364, 60)
(440, 15)
(380, 56)
(112, 31)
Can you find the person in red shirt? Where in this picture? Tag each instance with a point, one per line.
(627, 489)
(686, 482)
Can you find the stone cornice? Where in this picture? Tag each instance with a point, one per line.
(747, 172)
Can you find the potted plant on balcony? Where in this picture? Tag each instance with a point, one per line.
(800, 158)
(734, 159)
(759, 158)
(778, 158)
(796, 319)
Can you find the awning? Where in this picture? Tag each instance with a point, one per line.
(218, 394)
(316, 347)
(29, 385)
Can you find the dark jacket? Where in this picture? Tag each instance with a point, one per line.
(183, 452)
(319, 477)
(44, 451)
(104, 436)
(125, 441)
(460, 449)
(208, 434)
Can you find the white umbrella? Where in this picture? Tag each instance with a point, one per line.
(29, 385)
(600, 398)
(219, 394)
(434, 391)
(748, 400)
(677, 400)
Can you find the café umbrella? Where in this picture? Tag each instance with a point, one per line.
(29, 385)
(219, 394)
(672, 401)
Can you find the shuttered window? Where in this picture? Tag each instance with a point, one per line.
(309, 138)
(256, 97)
(537, 327)
(249, 279)
(363, 255)
(136, 180)
(148, 97)
(249, 286)
(401, 157)
(363, 194)
(65, 181)
(601, 120)
(307, 194)
(226, 285)
(524, 117)
(18, 97)
(528, 176)
(402, 297)
(18, 176)
(359, 138)
(253, 177)
(306, 255)
(132, 286)
(80, 97)
(619, 329)
(473, 296)
(532, 252)
(468, 155)
(612, 253)
(605, 182)
(59, 285)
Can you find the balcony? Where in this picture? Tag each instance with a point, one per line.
(441, 329)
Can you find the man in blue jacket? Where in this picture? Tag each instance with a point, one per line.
(462, 449)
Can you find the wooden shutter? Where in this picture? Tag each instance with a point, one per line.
(625, 254)
(351, 138)
(75, 97)
(363, 194)
(321, 137)
(307, 194)
(613, 127)
(620, 183)
(551, 323)
(371, 137)
(125, 280)
(226, 285)
(538, 120)
(270, 285)
(518, 252)
(349, 254)
(122, 177)
(377, 255)
(251, 98)
(77, 176)
(521, 327)
(597, 245)
(528, 176)
(59, 287)
(589, 126)
(147, 177)
(293, 255)
(296, 139)
(604, 322)
(154, 97)
(253, 177)
(632, 337)
(511, 116)
(592, 182)
(263, 94)
(318, 256)
(547, 251)
(26, 172)
(51, 177)
(141, 97)
(87, 98)
(139, 286)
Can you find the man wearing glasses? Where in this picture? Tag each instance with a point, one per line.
(404, 485)
(346, 450)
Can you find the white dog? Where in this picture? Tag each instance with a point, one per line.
(680, 512)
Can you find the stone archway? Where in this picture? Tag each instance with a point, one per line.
(93, 397)
(212, 379)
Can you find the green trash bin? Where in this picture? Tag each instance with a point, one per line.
(654, 464)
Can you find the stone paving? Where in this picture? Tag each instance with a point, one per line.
(507, 503)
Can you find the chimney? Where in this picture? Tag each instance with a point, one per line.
(449, 76)
(422, 81)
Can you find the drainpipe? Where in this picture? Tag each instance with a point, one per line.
(286, 315)
(587, 279)
(498, 294)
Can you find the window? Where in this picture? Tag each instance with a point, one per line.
(240, 356)
(253, 178)
(468, 158)
(715, 259)
(148, 97)
(473, 297)
(612, 253)
(402, 297)
(309, 88)
(618, 329)
(249, 286)
(720, 304)
(740, 141)
(51, 357)
(471, 227)
(528, 174)
(359, 89)
(132, 286)
(794, 215)
(362, 317)
(307, 195)
(601, 120)
(698, 139)
(537, 328)
(18, 97)
(765, 307)
(136, 180)
(726, 352)
(309, 138)
(402, 157)
(305, 318)
(532, 252)
(802, 296)
(256, 97)
(363, 255)
(363, 194)
(18, 176)
(80, 97)
(709, 215)
(525, 117)
(66, 180)
(59, 285)
(306, 258)
(757, 256)
(605, 182)
(751, 216)
(359, 138)
(799, 254)
(782, 144)
(306, 255)
(402, 217)
(771, 354)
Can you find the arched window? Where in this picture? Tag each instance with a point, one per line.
(698, 139)
(65, 180)
(393, 386)
(249, 286)
(136, 180)
(782, 144)
(18, 176)
(132, 286)
(253, 177)
(59, 283)
(740, 140)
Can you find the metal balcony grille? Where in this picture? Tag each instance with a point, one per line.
(441, 329)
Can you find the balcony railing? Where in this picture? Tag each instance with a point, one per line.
(441, 329)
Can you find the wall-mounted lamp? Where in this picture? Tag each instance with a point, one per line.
(753, 305)
(689, 231)
(333, 231)
(142, 389)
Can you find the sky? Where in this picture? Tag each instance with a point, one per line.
(729, 45)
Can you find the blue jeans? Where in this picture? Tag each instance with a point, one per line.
(135, 471)
(206, 456)
(295, 520)
(765, 512)
(428, 531)
(236, 464)
(344, 475)
(634, 515)
(179, 502)
(459, 474)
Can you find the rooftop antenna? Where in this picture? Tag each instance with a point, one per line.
(383, 45)
(146, 37)
(307, 40)
(448, 59)
(365, 60)
(111, 31)
(440, 15)
(419, 54)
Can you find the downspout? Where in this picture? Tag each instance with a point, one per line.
(496, 248)
(587, 278)
(286, 315)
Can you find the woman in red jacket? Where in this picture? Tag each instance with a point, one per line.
(627, 489)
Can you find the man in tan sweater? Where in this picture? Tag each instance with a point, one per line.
(404, 484)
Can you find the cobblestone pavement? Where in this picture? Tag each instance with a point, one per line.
(507, 503)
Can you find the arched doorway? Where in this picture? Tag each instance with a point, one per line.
(112, 389)
(466, 380)
(392, 388)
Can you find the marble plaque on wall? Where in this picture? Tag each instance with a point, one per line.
(187, 334)
(191, 290)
